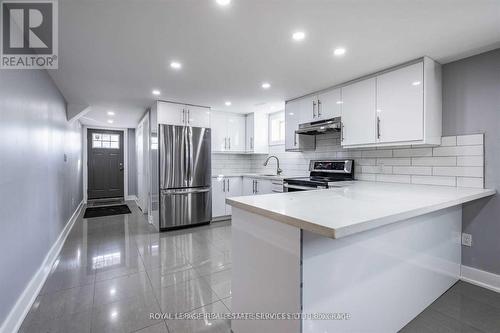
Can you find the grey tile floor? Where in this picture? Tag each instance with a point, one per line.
(114, 271)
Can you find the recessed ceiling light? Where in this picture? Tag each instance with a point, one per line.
(223, 2)
(266, 85)
(299, 35)
(228, 103)
(156, 92)
(176, 65)
(111, 113)
(339, 51)
(416, 83)
(340, 102)
(110, 121)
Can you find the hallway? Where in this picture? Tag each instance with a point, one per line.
(114, 271)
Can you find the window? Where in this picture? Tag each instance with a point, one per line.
(277, 128)
(103, 140)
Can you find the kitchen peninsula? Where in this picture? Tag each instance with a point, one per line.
(378, 252)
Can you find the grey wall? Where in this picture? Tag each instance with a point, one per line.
(39, 191)
(471, 104)
(132, 163)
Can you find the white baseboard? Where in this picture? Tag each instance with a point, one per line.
(24, 302)
(480, 278)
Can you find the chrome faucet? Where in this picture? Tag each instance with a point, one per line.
(278, 170)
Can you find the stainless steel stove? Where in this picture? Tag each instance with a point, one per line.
(322, 174)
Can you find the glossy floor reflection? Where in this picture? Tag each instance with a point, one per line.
(114, 271)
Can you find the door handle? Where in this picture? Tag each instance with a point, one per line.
(185, 191)
(121, 166)
(378, 127)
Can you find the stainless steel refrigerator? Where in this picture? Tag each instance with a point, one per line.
(185, 176)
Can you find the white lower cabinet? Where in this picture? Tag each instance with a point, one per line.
(222, 188)
(254, 186)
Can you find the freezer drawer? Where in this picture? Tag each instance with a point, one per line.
(184, 207)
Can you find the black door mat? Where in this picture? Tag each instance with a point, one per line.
(106, 211)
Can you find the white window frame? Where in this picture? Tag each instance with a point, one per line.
(273, 116)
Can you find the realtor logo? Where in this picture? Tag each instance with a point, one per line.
(29, 34)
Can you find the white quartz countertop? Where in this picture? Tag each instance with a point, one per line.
(357, 206)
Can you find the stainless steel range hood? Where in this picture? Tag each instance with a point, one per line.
(320, 127)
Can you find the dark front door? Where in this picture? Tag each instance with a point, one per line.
(105, 164)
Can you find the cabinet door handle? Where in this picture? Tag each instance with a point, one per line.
(314, 109)
(188, 115)
(183, 116)
(225, 143)
(228, 185)
(342, 132)
(378, 127)
(295, 139)
(251, 142)
(224, 185)
(319, 108)
(253, 186)
(229, 143)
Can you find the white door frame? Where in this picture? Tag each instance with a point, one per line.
(125, 159)
(145, 122)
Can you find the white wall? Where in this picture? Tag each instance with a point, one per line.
(39, 188)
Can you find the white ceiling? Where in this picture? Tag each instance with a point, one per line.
(114, 52)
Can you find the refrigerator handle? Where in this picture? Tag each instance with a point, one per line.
(185, 191)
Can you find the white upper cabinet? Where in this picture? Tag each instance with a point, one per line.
(329, 104)
(296, 112)
(198, 116)
(399, 107)
(171, 113)
(236, 132)
(219, 131)
(183, 115)
(257, 133)
(400, 104)
(359, 113)
(228, 132)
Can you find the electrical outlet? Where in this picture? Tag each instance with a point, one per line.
(466, 239)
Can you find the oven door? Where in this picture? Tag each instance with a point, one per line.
(295, 188)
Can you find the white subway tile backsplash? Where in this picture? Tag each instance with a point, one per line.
(375, 169)
(393, 178)
(448, 141)
(431, 161)
(458, 151)
(434, 180)
(470, 182)
(376, 153)
(412, 170)
(458, 161)
(458, 171)
(365, 176)
(393, 161)
(469, 140)
(470, 161)
(412, 152)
